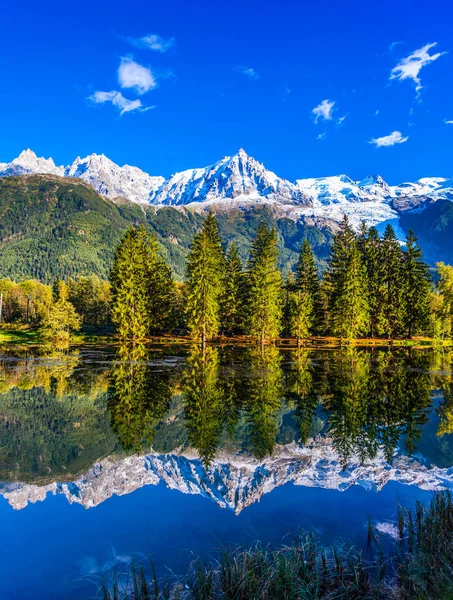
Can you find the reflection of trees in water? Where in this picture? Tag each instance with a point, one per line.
(53, 418)
(244, 399)
(302, 393)
(264, 390)
(140, 397)
(203, 401)
(375, 398)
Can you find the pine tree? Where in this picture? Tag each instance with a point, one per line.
(161, 289)
(347, 286)
(391, 257)
(233, 292)
(305, 305)
(369, 245)
(416, 289)
(264, 287)
(130, 311)
(205, 270)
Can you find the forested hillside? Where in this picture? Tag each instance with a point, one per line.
(52, 227)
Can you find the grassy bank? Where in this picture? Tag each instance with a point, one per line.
(419, 565)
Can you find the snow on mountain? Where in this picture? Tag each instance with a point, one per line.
(239, 180)
(234, 481)
(238, 176)
(112, 181)
(27, 162)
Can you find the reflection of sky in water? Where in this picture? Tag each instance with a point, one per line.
(60, 415)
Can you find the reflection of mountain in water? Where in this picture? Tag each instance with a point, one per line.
(230, 423)
(234, 482)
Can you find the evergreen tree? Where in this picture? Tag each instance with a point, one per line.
(161, 289)
(264, 287)
(205, 266)
(347, 286)
(306, 308)
(391, 257)
(416, 290)
(130, 311)
(369, 245)
(233, 292)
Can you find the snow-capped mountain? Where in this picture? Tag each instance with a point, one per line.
(238, 176)
(27, 162)
(112, 181)
(241, 180)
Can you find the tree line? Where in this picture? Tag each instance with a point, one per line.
(372, 287)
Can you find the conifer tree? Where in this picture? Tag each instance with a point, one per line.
(130, 311)
(264, 287)
(305, 311)
(369, 244)
(416, 289)
(233, 292)
(391, 257)
(161, 289)
(347, 286)
(205, 265)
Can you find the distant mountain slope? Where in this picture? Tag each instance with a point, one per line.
(52, 227)
(241, 181)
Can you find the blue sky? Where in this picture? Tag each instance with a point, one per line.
(225, 74)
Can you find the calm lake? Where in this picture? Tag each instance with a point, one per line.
(110, 453)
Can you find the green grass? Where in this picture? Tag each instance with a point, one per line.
(418, 567)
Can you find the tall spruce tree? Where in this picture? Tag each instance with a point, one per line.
(205, 267)
(391, 257)
(264, 287)
(130, 311)
(347, 286)
(143, 290)
(369, 244)
(161, 289)
(233, 292)
(305, 304)
(416, 289)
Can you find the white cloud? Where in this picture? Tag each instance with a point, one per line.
(448, 122)
(321, 136)
(152, 41)
(410, 67)
(117, 99)
(340, 120)
(135, 76)
(389, 140)
(248, 72)
(377, 112)
(323, 110)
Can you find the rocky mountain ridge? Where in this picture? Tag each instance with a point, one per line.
(240, 180)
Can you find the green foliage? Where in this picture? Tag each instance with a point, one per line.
(233, 297)
(347, 286)
(264, 287)
(417, 289)
(91, 298)
(61, 319)
(305, 310)
(205, 268)
(392, 260)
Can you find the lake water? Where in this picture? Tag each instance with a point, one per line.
(110, 453)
